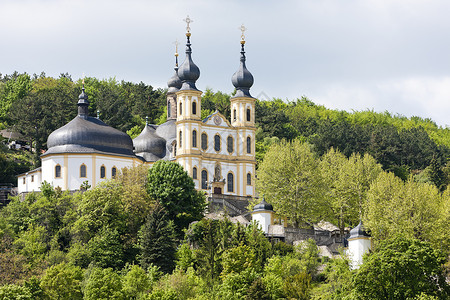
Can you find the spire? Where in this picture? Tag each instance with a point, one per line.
(83, 103)
(174, 82)
(242, 79)
(188, 71)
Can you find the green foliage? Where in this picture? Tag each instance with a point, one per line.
(14, 292)
(289, 179)
(401, 269)
(157, 241)
(103, 284)
(212, 101)
(63, 281)
(105, 249)
(135, 283)
(170, 185)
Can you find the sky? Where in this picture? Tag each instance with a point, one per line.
(382, 55)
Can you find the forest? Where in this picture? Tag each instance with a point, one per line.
(142, 235)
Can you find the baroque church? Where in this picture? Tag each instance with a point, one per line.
(218, 154)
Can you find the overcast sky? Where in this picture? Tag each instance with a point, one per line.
(351, 54)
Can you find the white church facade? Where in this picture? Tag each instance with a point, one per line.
(218, 154)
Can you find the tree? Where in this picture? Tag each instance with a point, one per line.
(347, 182)
(402, 268)
(103, 284)
(63, 281)
(289, 179)
(157, 241)
(170, 185)
(16, 292)
(411, 209)
(135, 282)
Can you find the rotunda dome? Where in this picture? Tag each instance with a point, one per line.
(149, 145)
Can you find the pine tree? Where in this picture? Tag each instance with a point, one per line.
(157, 241)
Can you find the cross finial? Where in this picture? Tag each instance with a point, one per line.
(82, 75)
(242, 29)
(176, 47)
(188, 20)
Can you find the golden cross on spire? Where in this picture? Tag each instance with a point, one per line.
(188, 20)
(242, 29)
(82, 75)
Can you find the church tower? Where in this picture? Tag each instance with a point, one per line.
(243, 105)
(188, 101)
(174, 85)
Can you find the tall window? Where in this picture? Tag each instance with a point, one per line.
(58, 171)
(230, 142)
(32, 178)
(23, 180)
(249, 145)
(113, 172)
(168, 109)
(174, 146)
(194, 108)
(194, 173)
(249, 179)
(217, 142)
(204, 180)
(181, 109)
(230, 183)
(234, 115)
(102, 172)
(248, 114)
(194, 138)
(83, 171)
(181, 138)
(204, 141)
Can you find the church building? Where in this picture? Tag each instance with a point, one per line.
(218, 154)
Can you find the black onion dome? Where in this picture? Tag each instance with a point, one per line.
(167, 130)
(242, 79)
(174, 83)
(188, 71)
(86, 134)
(149, 145)
(358, 231)
(263, 205)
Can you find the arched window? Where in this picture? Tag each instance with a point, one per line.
(83, 171)
(194, 173)
(58, 171)
(248, 114)
(230, 142)
(181, 138)
(23, 180)
(217, 142)
(32, 178)
(230, 183)
(234, 115)
(102, 172)
(113, 172)
(204, 141)
(181, 108)
(194, 108)
(174, 146)
(204, 179)
(194, 138)
(168, 109)
(249, 145)
(249, 179)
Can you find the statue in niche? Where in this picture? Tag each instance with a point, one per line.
(217, 173)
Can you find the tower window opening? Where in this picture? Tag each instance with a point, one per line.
(248, 114)
(234, 115)
(181, 138)
(194, 138)
(249, 145)
(194, 173)
(168, 109)
(181, 108)
(249, 179)
(194, 108)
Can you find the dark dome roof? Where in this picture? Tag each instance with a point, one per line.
(188, 71)
(263, 205)
(149, 145)
(358, 231)
(174, 83)
(86, 135)
(242, 79)
(167, 130)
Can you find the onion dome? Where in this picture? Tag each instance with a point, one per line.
(188, 71)
(242, 79)
(358, 231)
(263, 205)
(167, 130)
(149, 145)
(174, 82)
(86, 134)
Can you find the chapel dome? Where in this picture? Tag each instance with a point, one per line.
(86, 135)
(174, 83)
(188, 71)
(242, 79)
(263, 205)
(149, 145)
(167, 130)
(358, 231)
